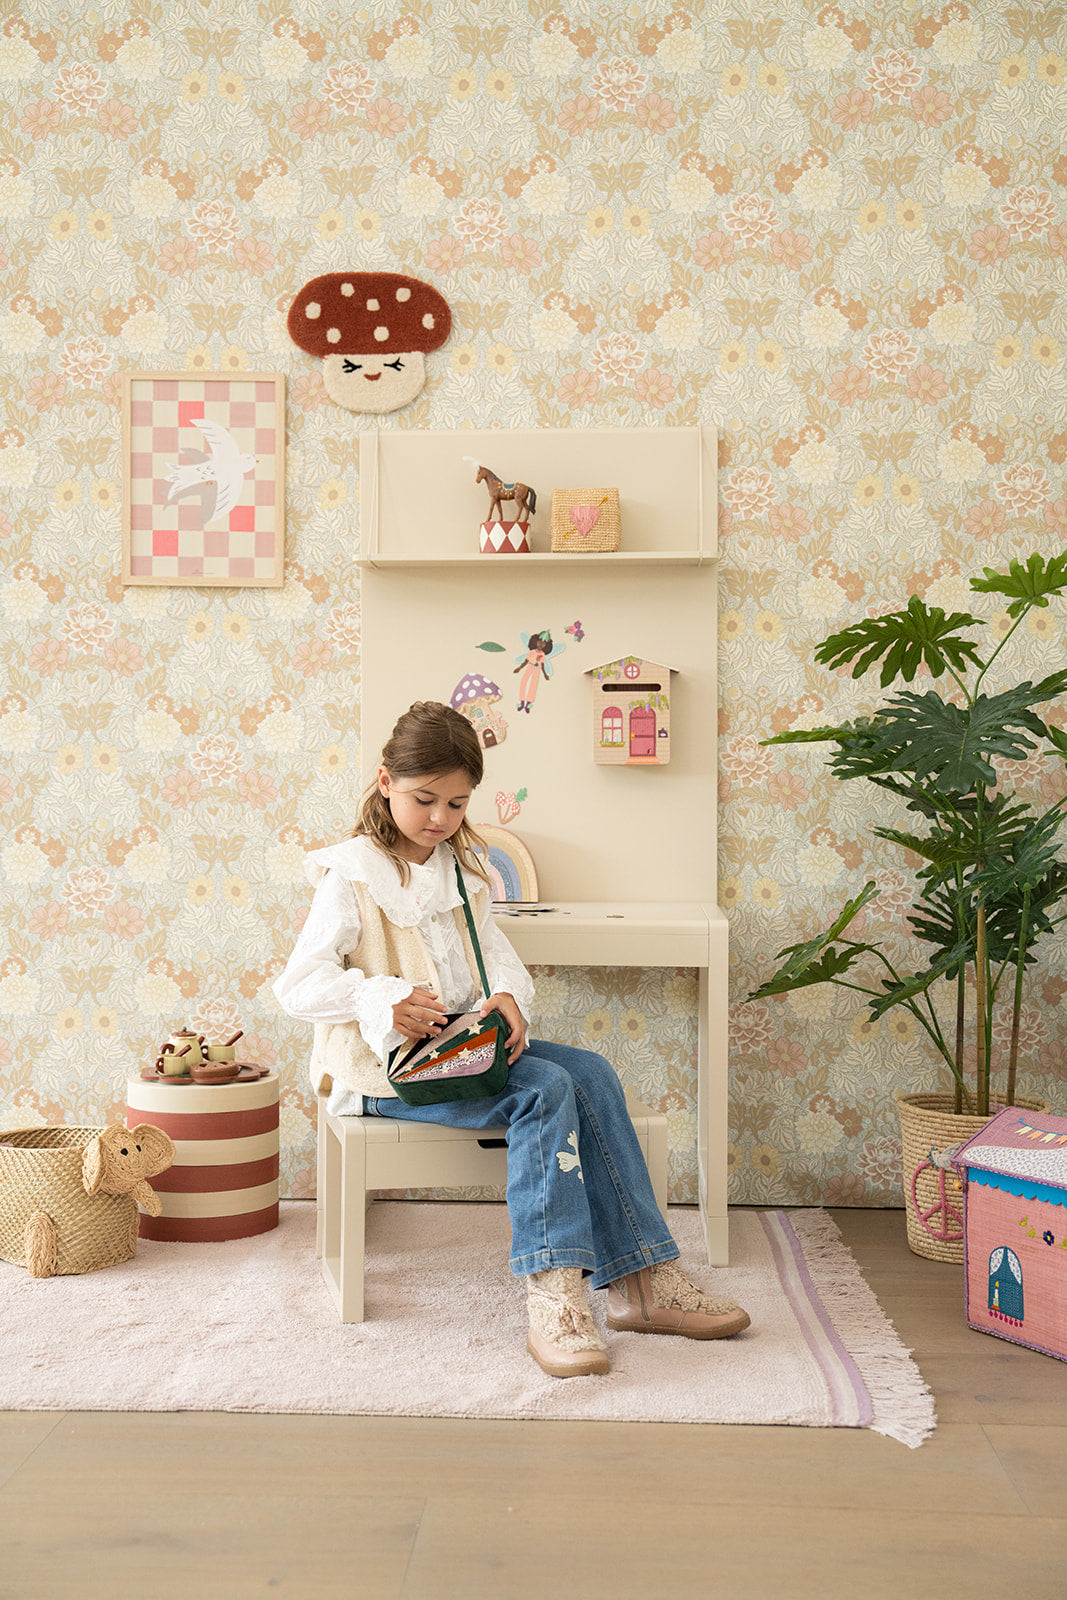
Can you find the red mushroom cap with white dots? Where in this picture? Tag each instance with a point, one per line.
(368, 313)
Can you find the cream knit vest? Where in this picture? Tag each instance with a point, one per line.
(341, 1057)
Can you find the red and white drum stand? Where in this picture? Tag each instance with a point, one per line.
(224, 1181)
(504, 538)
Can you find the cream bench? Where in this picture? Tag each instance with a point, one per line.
(359, 1155)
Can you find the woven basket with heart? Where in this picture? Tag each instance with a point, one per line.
(586, 520)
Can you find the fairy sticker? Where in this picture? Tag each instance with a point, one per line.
(539, 657)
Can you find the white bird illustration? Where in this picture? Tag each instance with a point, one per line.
(568, 1162)
(225, 467)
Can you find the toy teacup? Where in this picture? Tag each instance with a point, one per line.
(226, 1051)
(172, 1063)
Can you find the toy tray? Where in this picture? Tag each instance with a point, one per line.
(250, 1072)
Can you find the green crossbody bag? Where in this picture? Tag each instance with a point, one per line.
(468, 1059)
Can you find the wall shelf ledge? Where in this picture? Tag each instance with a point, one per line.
(604, 559)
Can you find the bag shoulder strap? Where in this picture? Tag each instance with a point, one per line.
(470, 926)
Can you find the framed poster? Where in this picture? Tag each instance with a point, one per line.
(203, 460)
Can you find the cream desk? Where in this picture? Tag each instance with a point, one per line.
(653, 934)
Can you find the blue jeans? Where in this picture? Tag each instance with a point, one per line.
(579, 1193)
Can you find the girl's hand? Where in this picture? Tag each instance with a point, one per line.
(508, 1008)
(419, 1014)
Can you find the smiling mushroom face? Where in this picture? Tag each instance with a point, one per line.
(373, 331)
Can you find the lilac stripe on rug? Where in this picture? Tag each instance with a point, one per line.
(848, 1394)
(247, 1325)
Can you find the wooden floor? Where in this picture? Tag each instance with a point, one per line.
(200, 1506)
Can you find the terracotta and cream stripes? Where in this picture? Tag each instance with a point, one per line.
(224, 1181)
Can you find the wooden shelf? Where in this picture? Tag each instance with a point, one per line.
(421, 507)
(606, 558)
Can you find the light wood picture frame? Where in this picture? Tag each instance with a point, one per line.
(203, 464)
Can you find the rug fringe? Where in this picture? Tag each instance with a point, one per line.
(894, 1383)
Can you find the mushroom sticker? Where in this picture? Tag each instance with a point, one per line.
(373, 331)
(476, 698)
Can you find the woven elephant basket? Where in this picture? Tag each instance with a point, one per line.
(67, 1200)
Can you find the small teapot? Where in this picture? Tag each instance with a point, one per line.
(188, 1044)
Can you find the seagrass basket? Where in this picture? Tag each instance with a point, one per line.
(41, 1173)
(933, 1196)
(585, 520)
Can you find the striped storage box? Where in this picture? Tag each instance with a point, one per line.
(224, 1181)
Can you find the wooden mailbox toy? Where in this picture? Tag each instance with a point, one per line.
(631, 712)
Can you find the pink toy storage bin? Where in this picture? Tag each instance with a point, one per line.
(1015, 1229)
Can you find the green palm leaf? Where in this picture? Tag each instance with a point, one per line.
(1026, 586)
(942, 851)
(953, 746)
(990, 880)
(830, 965)
(814, 960)
(896, 993)
(1027, 864)
(808, 735)
(961, 836)
(921, 636)
(936, 920)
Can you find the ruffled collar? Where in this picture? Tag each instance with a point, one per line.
(431, 887)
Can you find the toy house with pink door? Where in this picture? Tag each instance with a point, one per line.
(1015, 1229)
(631, 712)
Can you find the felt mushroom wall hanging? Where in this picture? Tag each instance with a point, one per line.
(373, 331)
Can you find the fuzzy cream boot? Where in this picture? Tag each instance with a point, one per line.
(661, 1299)
(563, 1339)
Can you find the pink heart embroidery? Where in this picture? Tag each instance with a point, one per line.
(585, 518)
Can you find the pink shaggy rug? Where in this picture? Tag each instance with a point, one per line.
(249, 1326)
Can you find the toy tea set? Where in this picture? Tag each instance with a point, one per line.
(187, 1058)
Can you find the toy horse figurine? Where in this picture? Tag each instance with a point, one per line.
(524, 497)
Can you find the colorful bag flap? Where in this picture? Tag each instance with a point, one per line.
(464, 1047)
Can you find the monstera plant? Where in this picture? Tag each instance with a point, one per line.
(991, 882)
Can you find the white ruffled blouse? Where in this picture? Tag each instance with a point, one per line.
(316, 986)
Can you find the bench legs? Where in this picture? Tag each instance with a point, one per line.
(341, 1208)
(343, 1197)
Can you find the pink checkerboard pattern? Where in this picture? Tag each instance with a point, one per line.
(167, 541)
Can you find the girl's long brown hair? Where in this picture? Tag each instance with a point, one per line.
(429, 739)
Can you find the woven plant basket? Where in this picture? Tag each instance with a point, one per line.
(933, 1198)
(585, 520)
(41, 1172)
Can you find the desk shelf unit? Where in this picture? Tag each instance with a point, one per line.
(627, 853)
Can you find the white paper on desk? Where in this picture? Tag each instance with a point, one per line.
(525, 908)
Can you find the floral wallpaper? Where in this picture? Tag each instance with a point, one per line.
(837, 233)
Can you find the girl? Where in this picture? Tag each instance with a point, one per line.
(385, 955)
